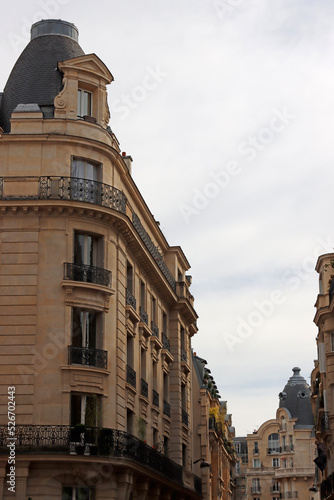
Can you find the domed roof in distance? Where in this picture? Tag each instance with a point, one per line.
(295, 397)
(35, 77)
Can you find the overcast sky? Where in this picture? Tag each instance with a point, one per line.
(227, 108)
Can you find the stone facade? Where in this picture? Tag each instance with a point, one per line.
(96, 311)
(323, 377)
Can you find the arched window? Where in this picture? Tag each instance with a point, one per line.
(273, 443)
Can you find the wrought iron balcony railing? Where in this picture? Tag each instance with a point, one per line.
(130, 376)
(185, 418)
(87, 274)
(130, 300)
(183, 355)
(165, 342)
(143, 315)
(324, 422)
(87, 357)
(327, 486)
(66, 439)
(78, 189)
(155, 329)
(155, 398)
(153, 251)
(166, 408)
(143, 388)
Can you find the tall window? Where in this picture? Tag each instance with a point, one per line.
(86, 409)
(86, 249)
(84, 103)
(273, 443)
(275, 462)
(76, 493)
(256, 488)
(256, 447)
(129, 277)
(256, 463)
(86, 329)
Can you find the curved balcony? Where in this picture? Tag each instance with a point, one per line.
(87, 357)
(87, 274)
(87, 441)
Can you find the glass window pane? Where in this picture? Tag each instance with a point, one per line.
(67, 493)
(75, 409)
(82, 494)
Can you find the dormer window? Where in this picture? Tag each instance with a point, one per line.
(84, 103)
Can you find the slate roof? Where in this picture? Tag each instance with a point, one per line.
(35, 77)
(295, 397)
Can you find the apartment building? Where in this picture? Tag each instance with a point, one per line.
(96, 314)
(323, 377)
(213, 435)
(280, 454)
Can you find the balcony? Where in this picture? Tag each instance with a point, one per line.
(130, 300)
(155, 329)
(143, 388)
(130, 376)
(324, 422)
(183, 355)
(165, 342)
(87, 357)
(155, 398)
(327, 487)
(87, 274)
(273, 451)
(143, 316)
(166, 408)
(112, 443)
(289, 494)
(153, 250)
(185, 418)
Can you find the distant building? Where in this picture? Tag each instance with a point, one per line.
(96, 314)
(213, 436)
(281, 452)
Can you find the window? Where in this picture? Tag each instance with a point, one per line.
(85, 169)
(256, 463)
(84, 103)
(273, 443)
(275, 462)
(256, 485)
(275, 487)
(130, 420)
(129, 277)
(284, 463)
(76, 493)
(237, 468)
(184, 455)
(86, 329)
(86, 249)
(256, 448)
(291, 442)
(85, 181)
(332, 342)
(237, 448)
(164, 323)
(86, 410)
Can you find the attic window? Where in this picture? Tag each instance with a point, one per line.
(282, 395)
(84, 103)
(302, 394)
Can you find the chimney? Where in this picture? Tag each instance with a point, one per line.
(128, 162)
